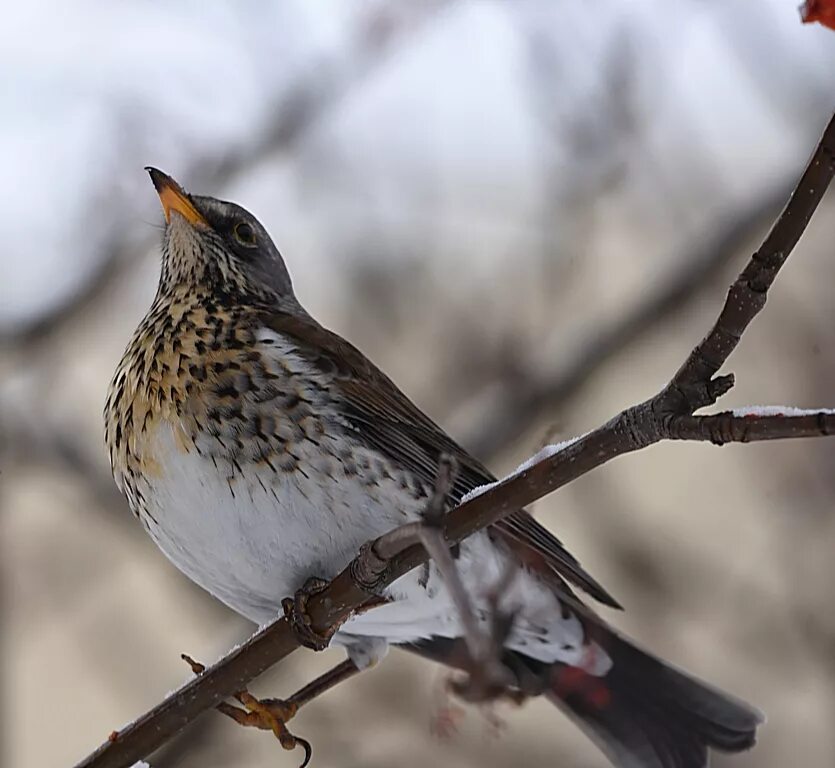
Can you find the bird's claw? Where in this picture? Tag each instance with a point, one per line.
(295, 611)
(268, 715)
(265, 714)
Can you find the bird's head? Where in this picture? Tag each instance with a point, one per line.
(219, 246)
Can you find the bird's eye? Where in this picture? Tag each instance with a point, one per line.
(244, 234)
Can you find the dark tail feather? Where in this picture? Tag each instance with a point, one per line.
(644, 713)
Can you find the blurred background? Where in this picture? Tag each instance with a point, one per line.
(527, 213)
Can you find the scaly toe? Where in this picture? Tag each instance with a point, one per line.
(273, 714)
(295, 611)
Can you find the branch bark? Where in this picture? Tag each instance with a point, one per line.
(669, 415)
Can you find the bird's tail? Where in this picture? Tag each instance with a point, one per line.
(643, 713)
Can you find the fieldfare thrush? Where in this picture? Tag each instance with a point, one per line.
(259, 449)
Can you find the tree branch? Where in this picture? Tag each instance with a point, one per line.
(736, 427)
(667, 416)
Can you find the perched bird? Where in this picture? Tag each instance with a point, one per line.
(259, 449)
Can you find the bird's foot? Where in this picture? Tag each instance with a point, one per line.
(265, 714)
(268, 715)
(295, 611)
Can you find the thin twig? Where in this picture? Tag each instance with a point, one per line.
(486, 672)
(665, 416)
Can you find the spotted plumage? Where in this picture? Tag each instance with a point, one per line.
(259, 449)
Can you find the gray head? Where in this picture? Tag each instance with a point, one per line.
(219, 246)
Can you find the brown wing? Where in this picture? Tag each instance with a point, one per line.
(388, 421)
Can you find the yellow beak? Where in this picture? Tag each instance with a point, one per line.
(174, 198)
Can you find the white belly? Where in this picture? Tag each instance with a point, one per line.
(252, 540)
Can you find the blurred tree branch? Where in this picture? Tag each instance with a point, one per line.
(669, 415)
(529, 394)
(308, 100)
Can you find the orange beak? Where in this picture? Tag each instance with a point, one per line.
(174, 198)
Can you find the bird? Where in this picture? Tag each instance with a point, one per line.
(261, 450)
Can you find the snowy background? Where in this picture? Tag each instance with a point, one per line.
(475, 193)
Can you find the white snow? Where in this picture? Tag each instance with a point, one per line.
(546, 453)
(543, 453)
(779, 410)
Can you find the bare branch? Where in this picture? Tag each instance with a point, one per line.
(747, 295)
(668, 415)
(732, 427)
